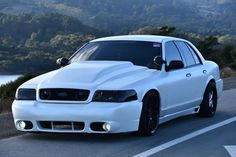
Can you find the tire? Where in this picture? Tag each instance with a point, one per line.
(209, 102)
(150, 114)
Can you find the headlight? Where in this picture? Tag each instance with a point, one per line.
(26, 94)
(115, 95)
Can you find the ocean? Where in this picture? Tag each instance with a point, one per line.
(7, 78)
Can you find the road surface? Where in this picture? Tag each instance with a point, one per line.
(182, 137)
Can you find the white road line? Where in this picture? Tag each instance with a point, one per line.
(184, 138)
(231, 150)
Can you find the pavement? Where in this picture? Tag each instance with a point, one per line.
(230, 83)
(181, 137)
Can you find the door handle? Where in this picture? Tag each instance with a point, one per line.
(204, 71)
(188, 75)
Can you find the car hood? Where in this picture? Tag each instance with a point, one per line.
(93, 74)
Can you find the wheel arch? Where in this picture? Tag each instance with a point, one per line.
(205, 110)
(158, 96)
(210, 80)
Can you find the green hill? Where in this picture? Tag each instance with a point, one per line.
(32, 43)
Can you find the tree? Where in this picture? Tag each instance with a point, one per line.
(150, 30)
(208, 45)
(165, 30)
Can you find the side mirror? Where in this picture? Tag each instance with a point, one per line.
(159, 61)
(175, 64)
(62, 61)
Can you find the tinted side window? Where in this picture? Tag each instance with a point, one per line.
(196, 58)
(171, 52)
(186, 53)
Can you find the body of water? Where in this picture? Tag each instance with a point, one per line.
(7, 78)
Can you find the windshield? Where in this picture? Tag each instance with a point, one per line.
(138, 52)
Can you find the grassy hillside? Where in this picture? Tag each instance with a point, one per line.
(32, 43)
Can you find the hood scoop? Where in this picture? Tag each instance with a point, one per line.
(86, 72)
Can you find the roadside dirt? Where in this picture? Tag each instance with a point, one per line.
(7, 128)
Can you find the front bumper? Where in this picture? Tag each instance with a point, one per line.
(122, 117)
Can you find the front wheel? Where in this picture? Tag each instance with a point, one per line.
(209, 103)
(150, 114)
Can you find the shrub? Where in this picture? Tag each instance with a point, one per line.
(233, 65)
(7, 91)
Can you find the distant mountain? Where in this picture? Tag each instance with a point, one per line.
(205, 16)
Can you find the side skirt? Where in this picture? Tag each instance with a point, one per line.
(179, 114)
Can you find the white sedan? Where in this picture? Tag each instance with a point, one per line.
(120, 84)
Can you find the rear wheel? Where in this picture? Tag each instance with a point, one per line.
(150, 114)
(209, 103)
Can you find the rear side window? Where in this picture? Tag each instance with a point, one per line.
(195, 56)
(185, 51)
(171, 52)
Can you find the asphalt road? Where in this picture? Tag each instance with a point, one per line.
(208, 143)
(230, 83)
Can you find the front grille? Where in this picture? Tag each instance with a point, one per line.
(61, 125)
(64, 94)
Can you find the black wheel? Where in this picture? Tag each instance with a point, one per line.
(150, 114)
(209, 102)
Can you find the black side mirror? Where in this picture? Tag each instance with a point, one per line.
(62, 61)
(159, 61)
(175, 64)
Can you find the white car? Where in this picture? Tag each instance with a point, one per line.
(120, 84)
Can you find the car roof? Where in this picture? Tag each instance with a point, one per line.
(149, 38)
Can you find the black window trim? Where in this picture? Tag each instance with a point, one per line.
(182, 57)
(187, 66)
(190, 52)
(193, 50)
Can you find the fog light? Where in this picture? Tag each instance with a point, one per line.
(21, 124)
(106, 126)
